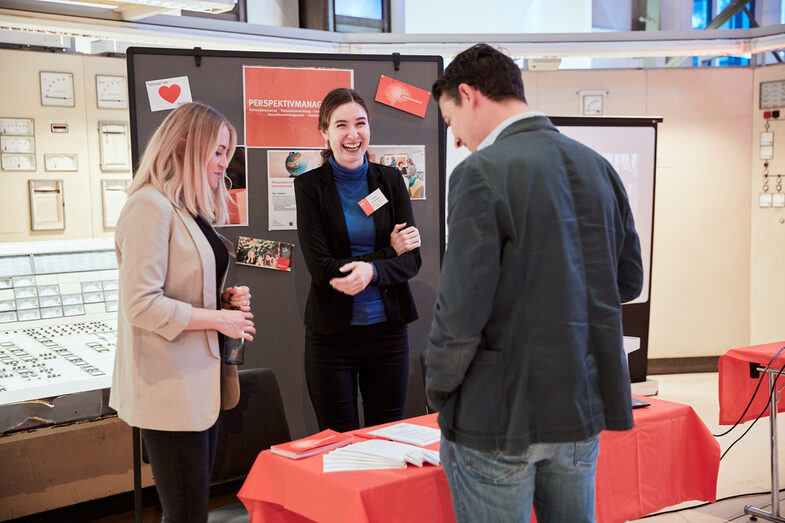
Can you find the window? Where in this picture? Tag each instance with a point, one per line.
(366, 16)
(701, 17)
(359, 8)
(704, 11)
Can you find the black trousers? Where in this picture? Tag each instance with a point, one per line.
(375, 357)
(182, 464)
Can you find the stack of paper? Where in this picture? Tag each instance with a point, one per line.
(377, 454)
(321, 442)
(409, 433)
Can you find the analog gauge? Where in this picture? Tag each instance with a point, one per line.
(60, 162)
(18, 162)
(111, 92)
(17, 144)
(57, 89)
(17, 126)
(593, 105)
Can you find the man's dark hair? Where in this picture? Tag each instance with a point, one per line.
(486, 69)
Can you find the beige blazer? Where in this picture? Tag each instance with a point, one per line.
(165, 378)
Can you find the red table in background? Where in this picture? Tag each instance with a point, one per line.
(668, 458)
(739, 380)
(736, 385)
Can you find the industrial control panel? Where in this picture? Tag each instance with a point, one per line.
(58, 318)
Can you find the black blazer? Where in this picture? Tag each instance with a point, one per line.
(324, 241)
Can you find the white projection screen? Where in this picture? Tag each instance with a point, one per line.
(631, 151)
(629, 144)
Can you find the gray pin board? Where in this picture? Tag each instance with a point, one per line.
(216, 78)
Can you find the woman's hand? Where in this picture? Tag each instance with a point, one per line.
(236, 324)
(404, 240)
(238, 298)
(360, 275)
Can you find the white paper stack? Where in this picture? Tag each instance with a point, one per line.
(409, 433)
(377, 454)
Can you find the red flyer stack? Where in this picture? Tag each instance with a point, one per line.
(312, 445)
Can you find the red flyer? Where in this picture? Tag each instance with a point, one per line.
(402, 96)
(282, 104)
(316, 444)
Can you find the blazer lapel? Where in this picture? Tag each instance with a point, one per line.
(205, 254)
(380, 216)
(332, 201)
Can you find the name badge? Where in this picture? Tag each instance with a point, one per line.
(372, 202)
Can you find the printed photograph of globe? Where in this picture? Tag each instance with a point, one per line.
(291, 163)
(296, 163)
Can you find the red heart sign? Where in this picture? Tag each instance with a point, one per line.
(170, 93)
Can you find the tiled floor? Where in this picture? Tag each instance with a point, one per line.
(744, 470)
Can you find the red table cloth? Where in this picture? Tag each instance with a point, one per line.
(737, 385)
(668, 458)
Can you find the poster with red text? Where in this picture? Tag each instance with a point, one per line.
(282, 104)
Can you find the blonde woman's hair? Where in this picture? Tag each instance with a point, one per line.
(181, 175)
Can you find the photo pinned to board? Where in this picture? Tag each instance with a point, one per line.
(268, 254)
(410, 162)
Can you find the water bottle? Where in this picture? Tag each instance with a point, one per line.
(234, 351)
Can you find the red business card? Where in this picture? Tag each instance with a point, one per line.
(402, 96)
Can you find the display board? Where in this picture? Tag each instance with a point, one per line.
(630, 145)
(268, 97)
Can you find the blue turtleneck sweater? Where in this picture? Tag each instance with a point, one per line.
(353, 187)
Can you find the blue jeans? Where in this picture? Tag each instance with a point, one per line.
(557, 478)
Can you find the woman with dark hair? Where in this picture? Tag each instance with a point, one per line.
(361, 256)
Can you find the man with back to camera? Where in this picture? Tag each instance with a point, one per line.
(525, 362)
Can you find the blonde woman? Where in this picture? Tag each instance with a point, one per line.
(172, 268)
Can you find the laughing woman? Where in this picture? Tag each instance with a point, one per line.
(360, 265)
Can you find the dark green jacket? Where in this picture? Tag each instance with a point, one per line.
(526, 342)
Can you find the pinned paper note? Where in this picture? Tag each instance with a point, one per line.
(402, 96)
(168, 93)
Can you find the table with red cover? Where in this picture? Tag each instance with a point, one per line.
(736, 384)
(668, 458)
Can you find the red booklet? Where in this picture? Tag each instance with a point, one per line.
(320, 442)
